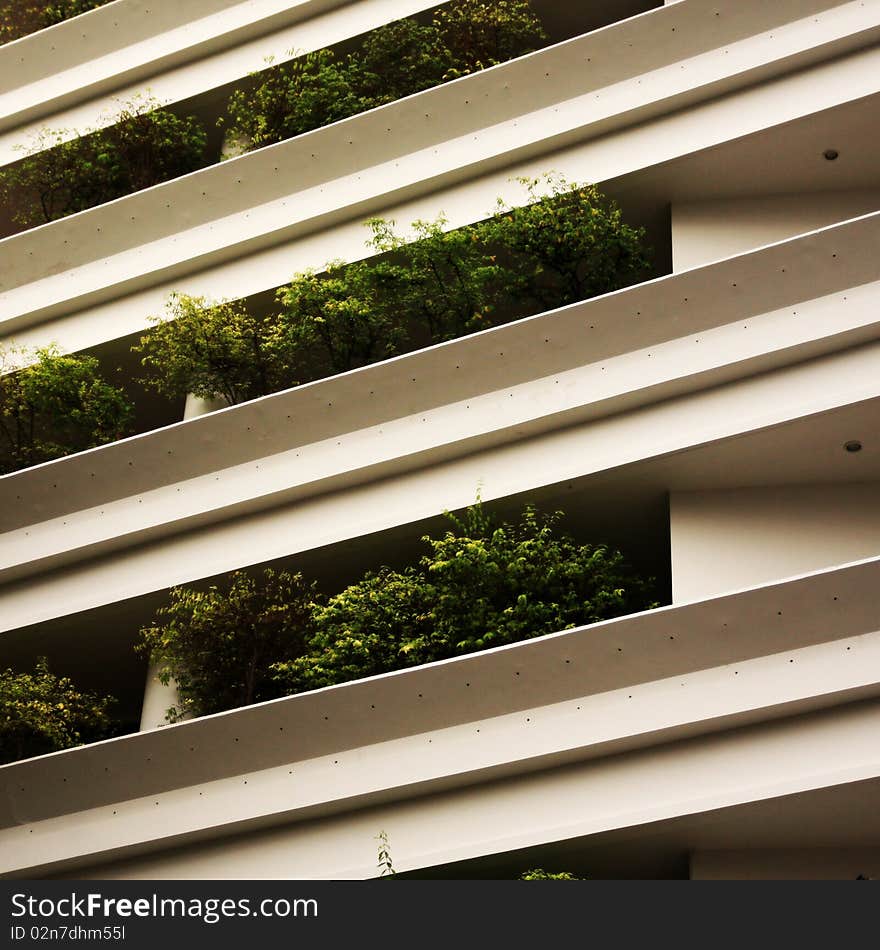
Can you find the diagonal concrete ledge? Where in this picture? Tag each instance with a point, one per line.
(69, 75)
(677, 335)
(777, 650)
(239, 228)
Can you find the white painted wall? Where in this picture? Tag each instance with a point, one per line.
(706, 231)
(724, 540)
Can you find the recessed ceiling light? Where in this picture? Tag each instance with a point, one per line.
(830, 154)
(853, 446)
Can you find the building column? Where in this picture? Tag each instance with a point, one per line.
(705, 231)
(157, 696)
(726, 540)
(234, 145)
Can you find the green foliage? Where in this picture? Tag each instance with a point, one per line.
(393, 61)
(431, 286)
(294, 97)
(41, 712)
(539, 874)
(60, 175)
(480, 585)
(377, 624)
(398, 60)
(218, 644)
(568, 242)
(501, 584)
(385, 864)
(215, 350)
(20, 18)
(447, 281)
(482, 33)
(341, 319)
(56, 405)
(60, 10)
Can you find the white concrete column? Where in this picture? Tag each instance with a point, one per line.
(157, 696)
(198, 406)
(234, 145)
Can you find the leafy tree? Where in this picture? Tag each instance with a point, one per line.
(218, 644)
(302, 94)
(498, 584)
(57, 176)
(18, 19)
(344, 318)
(445, 280)
(378, 624)
(435, 285)
(398, 60)
(151, 144)
(41, 712)
(568, 244)
(393, 61)
(482, 33)
(215, 350)
(480, 585)
(60, 175)
(56, 405)
(539, 874)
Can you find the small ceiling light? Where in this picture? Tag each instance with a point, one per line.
(853, 446)
(830, 154)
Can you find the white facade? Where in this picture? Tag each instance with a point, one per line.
(707, 417)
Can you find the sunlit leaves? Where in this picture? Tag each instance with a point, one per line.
(52, 404)
(480, 585)
(215, 349)
(62, 172)
(218, 644)
(41, 712)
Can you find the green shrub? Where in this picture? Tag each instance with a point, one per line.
(482, 33)
(60, 175)
(41, 712)
(433, 286)
(446, 282)
(60, 10)
(398, 60)
(56, 405)
(341, 319)
(480, 585)
(215, 349)
(539, 874)
(377, 624)
(568, 243)
(218, 644)
(18, 18)
(293, 97)
(393, 61)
